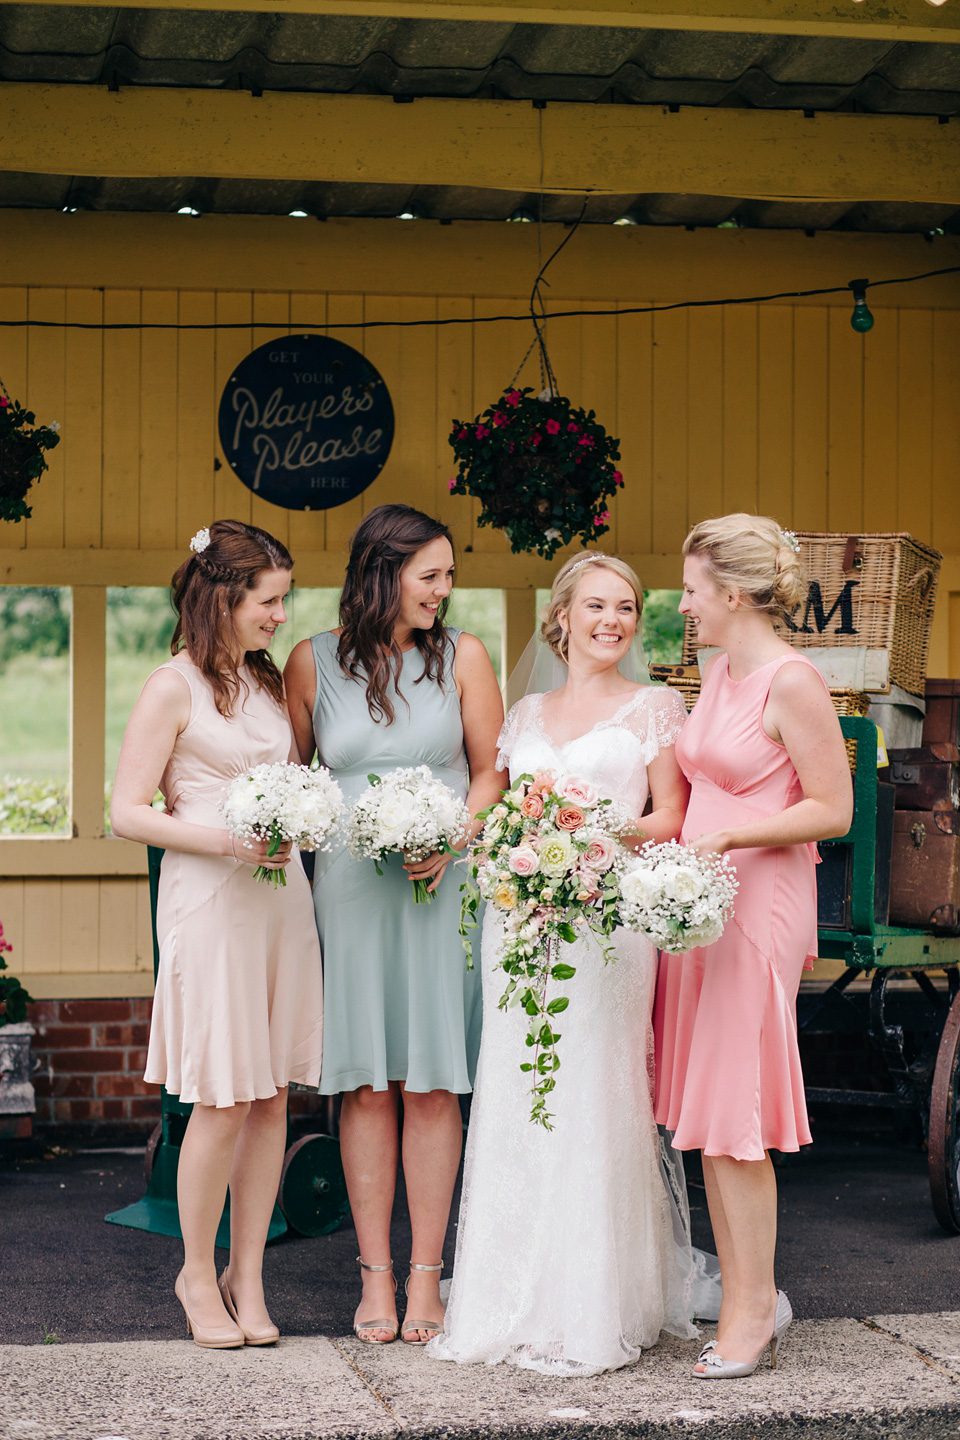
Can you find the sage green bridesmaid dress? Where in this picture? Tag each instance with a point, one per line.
(399, 1002)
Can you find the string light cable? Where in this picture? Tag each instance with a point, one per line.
(859, 318)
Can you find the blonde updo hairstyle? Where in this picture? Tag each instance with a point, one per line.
(564, 587)
(750, 553)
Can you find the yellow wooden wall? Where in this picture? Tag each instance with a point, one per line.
(777, 408)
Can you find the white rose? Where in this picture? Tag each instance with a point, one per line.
(394, 816)
(639, 888)
(679, 884)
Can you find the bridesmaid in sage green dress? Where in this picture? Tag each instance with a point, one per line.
(395, 687)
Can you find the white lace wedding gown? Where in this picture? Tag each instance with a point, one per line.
(573, 1244)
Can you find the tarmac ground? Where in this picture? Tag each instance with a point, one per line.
(92, 1343)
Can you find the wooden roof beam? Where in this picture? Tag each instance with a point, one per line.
(891, 20)
(492, 144)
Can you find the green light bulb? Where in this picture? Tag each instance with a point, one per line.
(861, 320)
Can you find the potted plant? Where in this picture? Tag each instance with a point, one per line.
(17, 1099)
(542, 469)
(22, 444)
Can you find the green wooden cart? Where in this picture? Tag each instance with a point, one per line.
(926, 1077)
(312, 1198)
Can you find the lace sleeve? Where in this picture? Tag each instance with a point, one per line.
(511, 728)
(658, 719)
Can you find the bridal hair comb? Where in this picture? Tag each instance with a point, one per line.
(585, 561)
(200, 542)
(791, 541)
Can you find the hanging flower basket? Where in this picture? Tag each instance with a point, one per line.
(541, 468)
(21, 455)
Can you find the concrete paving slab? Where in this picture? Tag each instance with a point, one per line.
(937, 1336)
(834, 1377)
(172, 1390)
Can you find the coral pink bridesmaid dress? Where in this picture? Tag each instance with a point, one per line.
(728, 1064)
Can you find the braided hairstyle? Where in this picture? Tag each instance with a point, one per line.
(381, 545)
(206, 590)
(752, 554)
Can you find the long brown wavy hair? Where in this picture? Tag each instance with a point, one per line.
(379, 548)
(207, 589)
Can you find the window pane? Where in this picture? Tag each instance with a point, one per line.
(34, 709)
(140, 622)
(480, 612)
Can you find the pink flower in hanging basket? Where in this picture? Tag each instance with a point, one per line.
(573, 429)
(535, 439)
(553, 427)
(585, 440)
(500, 419)
(617, 478)
(482, 432)
(4, 402)
(451, 484)
(513, 397)
(462, 433)
(602, 518)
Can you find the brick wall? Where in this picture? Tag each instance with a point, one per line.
(90, 1056)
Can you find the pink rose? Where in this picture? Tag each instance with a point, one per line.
(569, 817)
(532, 807)
(553, 427)
(598, 855)
(513, 397)
(523, 860)
(571, 787)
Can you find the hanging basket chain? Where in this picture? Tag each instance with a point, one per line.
(547, 376)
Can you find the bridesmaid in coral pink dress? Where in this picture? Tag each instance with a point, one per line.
(769, 776)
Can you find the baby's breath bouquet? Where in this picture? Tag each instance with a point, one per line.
(409, 811)
(548, 860)
(280, 803)
(675, 898)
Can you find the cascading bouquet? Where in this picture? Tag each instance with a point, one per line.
(675, 898)
(280, 803)
(408, 811)
(548, 860)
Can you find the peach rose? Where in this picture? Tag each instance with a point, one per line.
(532, 807)
(543, 783)
(569, 817)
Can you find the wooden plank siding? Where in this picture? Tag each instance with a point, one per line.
(780, 407)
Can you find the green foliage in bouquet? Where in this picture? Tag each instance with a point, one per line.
(13, 998)
(542, 469)
(22, 444)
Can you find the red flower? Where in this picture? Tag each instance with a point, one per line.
(4, 402)
(585, 440)
(553, 427)
(535, 438)
(462, 433)
(513, 397)
(499, 418)
(482, 432)
(617, 478)
(602, 518)
(573, 429)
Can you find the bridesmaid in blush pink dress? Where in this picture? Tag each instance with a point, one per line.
(769, 777)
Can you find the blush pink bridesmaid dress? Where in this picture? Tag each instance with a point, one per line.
(728, 1064)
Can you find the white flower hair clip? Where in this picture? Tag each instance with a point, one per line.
(791, 541)
(200, 542)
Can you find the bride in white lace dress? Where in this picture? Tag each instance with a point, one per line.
(571, 1253)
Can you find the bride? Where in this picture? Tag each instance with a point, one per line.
(572, 1250)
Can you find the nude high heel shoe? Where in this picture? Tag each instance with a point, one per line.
(217, 1337)
(716, 1368)
(411, 1326)
(269, 1335)
(391, 1326)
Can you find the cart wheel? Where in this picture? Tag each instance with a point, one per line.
(944, 1141)
(313, 1192)
(149, 1155)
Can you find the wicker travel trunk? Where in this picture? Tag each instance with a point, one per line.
(875, 590)
(925, 870)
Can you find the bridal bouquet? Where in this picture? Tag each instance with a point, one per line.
(675, 898)
(548, 859)
(280, 803)
(409, 811)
